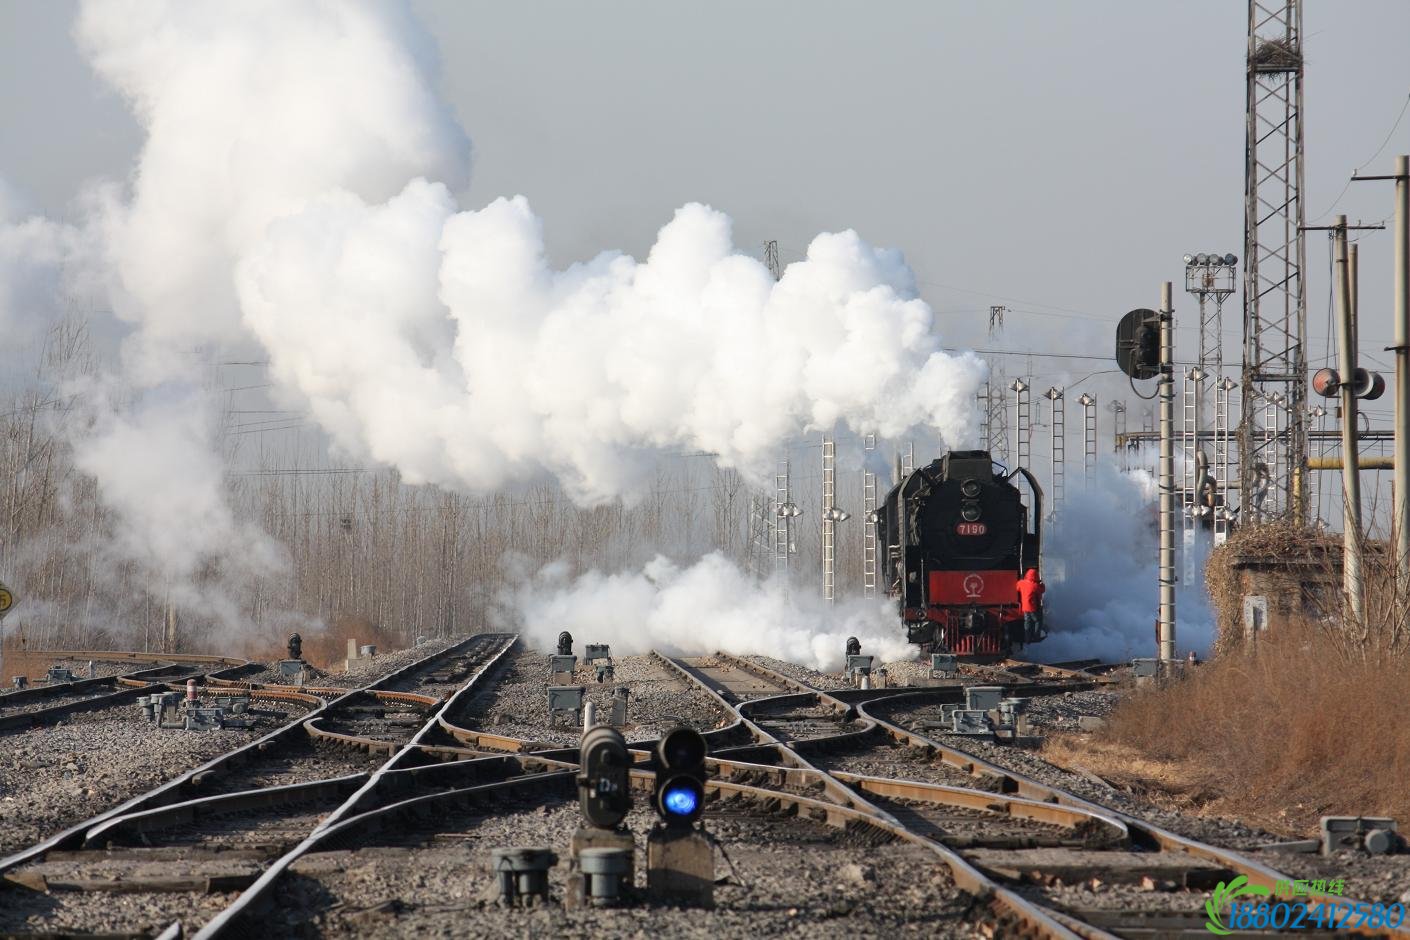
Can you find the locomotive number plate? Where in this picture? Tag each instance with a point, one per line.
(970, 528)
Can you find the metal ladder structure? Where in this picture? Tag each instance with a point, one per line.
(1022, 450)
(783, 526)
(1058, 427)
(1089, 438)
(868, 519)
(1189, 471)
(1118, 433)
(829, 524)
(1223, 447)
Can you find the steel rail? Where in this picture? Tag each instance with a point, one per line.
(831, 787)
(1005, 906)
(228, 919)
(1024, 786)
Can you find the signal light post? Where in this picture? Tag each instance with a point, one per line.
(1144, 350)
(680, 857)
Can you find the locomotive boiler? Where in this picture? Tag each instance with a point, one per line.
(956, 535)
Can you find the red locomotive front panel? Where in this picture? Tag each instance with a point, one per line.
(980, 588)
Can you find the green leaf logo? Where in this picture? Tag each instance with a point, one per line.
(1225, 894)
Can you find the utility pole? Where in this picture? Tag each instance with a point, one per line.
(1166, 575)
(1400, 520)
(1350, 470)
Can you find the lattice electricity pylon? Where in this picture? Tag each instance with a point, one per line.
(868, 519)
(1089, 438)
(1273, 438)
(996, 439)
(762, 523)
(771, 258)
(1223, 441)
(1022, 427)
(1058, 427)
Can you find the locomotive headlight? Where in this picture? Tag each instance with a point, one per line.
(969, 511)
(970, 489)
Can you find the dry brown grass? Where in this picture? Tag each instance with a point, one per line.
(1280, 735)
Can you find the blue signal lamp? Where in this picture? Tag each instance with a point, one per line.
(681, 800)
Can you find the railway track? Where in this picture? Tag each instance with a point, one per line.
(369, 820)
(178, 853)
(1152, 882)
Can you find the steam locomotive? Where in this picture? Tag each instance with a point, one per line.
(956, 537)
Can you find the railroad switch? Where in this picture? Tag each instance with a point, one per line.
(58, 674)
(604, 671)
(523, 874)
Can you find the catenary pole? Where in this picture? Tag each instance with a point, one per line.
(1350, 471)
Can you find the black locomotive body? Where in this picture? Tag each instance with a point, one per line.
(956, 537)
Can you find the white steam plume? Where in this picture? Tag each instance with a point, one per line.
(590, 372)
(709, 606)
(1105, 605)
(251, 109)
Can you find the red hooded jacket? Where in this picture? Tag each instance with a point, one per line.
(1030, 590)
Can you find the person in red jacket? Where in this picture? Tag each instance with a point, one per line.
(1030, 601)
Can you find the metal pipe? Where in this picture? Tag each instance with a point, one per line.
(1401, 483)
(1362, 463)
(1350, 477)
(1166, 574)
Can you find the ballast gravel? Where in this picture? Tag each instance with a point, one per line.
(361, 671)
(782, 877)
(516, 705)
(55, 776)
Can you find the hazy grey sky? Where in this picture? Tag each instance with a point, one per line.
(1060, 157)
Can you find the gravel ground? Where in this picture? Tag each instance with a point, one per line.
(363, 671)
(517, 705)
(788, 877)
(62, 774)
(818, 680)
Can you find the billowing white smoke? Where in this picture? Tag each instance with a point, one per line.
(592, 371)
(162, 476)
(251, 110)
(1106, 539)
(709, 606)
(294, 192)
